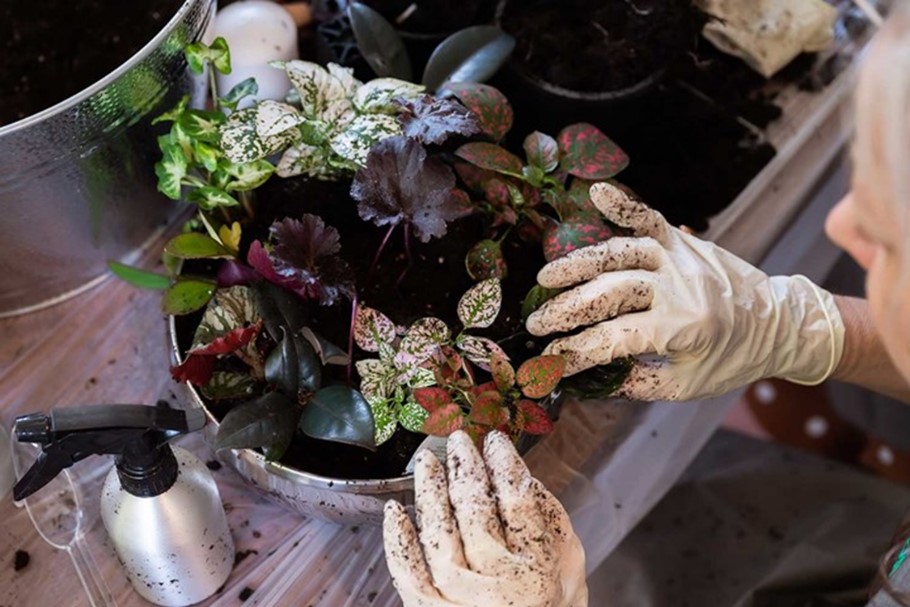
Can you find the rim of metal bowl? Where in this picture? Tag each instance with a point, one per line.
(301, 477)
(122, 69)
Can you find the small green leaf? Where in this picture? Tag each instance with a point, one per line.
(412, 416)
(187, 295)
(535, 298)
(174, 113)
(209, 198)
(238, 92)
(542, 151)
(248, 176)
(479, 306)
(220, 55)
(378, 42)
(540, 375)
(206, 154)
(171, 169)
(587, 153)
(473, 54)
(340, 414)
(198, 54)
(485, 260)
(193, 245)
(601, 382)
(202, 125)
(268, 421)
(139, 278)
(490, 156)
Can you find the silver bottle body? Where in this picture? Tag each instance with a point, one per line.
(176, 548)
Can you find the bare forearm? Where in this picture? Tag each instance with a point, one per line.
(865, 362)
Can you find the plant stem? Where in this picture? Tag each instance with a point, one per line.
(246, 199)
(407, 251)
(354, 303)
(504, 234)
(213, 87)
(382, 245)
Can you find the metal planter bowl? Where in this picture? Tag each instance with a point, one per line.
(336, 500)
(76, 180)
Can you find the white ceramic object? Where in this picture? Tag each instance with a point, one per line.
(257, 32)
(7, 476)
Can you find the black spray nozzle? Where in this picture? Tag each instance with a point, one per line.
(136, 434)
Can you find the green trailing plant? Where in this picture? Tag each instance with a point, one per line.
(473, 54)
(428, 358)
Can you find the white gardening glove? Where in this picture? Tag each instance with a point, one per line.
(491, 535)
(769, 34)
(700, 320)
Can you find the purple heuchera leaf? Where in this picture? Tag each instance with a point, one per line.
(303, 258)
(233, 273)
(401, 183)
(432, 121)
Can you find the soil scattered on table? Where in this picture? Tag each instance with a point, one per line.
(54, 49)
(21, 560)
(246, 593)
(213, 464)
(242, 554)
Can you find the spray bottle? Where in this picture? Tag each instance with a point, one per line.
(160, 504)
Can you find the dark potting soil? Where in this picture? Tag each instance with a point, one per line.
(54, 49)
(598, 45)
(431, 287)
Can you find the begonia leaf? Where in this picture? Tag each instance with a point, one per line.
(587, 153)
(401, 183)
(431, 120)
(539, 376)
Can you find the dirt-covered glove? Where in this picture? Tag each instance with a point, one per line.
(700, 320)
(769, 34)
(489, 535)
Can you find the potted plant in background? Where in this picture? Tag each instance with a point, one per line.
(317, 337)
(81, 84)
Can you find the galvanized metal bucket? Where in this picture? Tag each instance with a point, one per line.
(76, 181)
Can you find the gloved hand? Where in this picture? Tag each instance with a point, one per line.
(700, 320)
(491, 536)
(769, 34)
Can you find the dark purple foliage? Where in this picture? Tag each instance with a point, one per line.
(303, 257)
(432, 121)
(232, 273)
(401, 183)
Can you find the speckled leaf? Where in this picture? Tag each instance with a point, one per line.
(304, 159)
(376, 96)
(432, 399)
(193, 245)
(317, 88)
(371, 328)
(248, 176)
(339, 414)
(242, 143)
(187, 295)
(379, 42)
(485, 260)
(479, 350)
(490, 156)
(561, 238)
(385, 420)
(376, 378)
(226, 385)
(274, 118)
(535, 298)
(230, 342)
(479, 306)
(490, 105)
(424, 337)
(345, 76)
(268, 420)
(422, 378)
(238, 92)
(587, 153)
(540, 375)
(412, 416)
(353, 143)
(542, 151)
(444, 421)
(502, 372)
(229, 309)
(488, 410)
(532, 418)
(579, 193)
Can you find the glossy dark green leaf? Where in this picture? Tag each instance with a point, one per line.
(187, 295)
(267, 422)
(328, 353)
(379, 43)
(281, 369)
(598, 382)
(193, 245)
(139, 278)
(340, 414)
(473, 54)
(535, 298)
(309, 368)
(279, 308)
